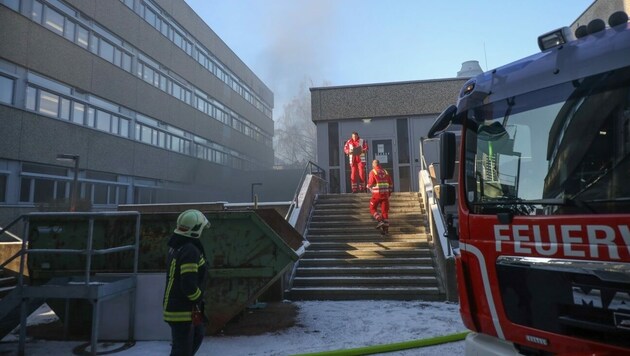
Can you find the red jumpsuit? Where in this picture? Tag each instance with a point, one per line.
(380, 182)
(357, 162)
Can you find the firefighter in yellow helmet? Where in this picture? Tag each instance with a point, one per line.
(186, 278)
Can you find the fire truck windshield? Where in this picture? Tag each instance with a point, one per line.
(558, 150)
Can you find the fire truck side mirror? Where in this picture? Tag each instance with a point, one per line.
(447, 155)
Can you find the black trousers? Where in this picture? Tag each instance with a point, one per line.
(186, 338)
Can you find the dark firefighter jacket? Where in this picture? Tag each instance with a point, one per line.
(186, 278)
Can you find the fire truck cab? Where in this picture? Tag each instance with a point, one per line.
(543, 197)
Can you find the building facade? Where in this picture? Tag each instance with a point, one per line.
(392, 117)
(155, 106)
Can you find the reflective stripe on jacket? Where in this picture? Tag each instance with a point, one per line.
(379, 181)
(185, 279)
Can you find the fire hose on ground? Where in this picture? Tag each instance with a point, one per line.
(397, 346)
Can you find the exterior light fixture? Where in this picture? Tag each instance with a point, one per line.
(366, 121)
(554, 38)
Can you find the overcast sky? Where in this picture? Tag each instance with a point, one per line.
(346, 42)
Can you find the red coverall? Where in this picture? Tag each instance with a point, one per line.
(357, 162)
(380, 182)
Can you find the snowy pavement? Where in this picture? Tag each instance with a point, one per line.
(320, 326)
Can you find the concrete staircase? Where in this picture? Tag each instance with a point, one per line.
(349, 259)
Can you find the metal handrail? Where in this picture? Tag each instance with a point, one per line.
(89, 251)
(308, 169)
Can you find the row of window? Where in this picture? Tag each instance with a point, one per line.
(44, 190)
(63, 108)
(156, 18)
(213, 109)
(62, 25)
(147, 130)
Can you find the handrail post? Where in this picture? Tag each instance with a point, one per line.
(23, 253)
(88, 259)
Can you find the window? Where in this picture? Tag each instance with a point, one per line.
(122, 195)
(126, 62)
(65, 109)
(48, 103)
(62, 189)
(31, 98)
(117, 56)
(129, 3)
(90, 117)
(100, 193)
(114, 125)
(3, 188)
(148, 75)
(82, 37)
(69, 30)
(53, 21)
(12, 4)
(44, 190)
(38, 9)
(106, 51)
(78, 113)
(6, 90)
(333, 144)
(150, 16)
(103, 120)
(402, 133)
(25, 190)
(124, 127)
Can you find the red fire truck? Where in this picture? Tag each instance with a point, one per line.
(543, 197)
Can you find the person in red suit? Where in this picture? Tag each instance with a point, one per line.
(356, 149)
(381, 185)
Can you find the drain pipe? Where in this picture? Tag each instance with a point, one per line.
(397, 346)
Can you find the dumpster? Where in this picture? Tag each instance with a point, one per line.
(247, 252)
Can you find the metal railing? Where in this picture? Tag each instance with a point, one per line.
(444, 252)
(310, 169)
(88, 287)
(89, 251)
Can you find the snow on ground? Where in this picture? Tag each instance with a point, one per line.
(320, 326)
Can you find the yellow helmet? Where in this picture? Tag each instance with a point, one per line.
(191, 223)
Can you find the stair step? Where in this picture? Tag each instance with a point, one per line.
(364, 293)
(361, 262)
(361, 254)
(351, 281)
(362, 271)
(363, 230)
(364, 205)
(365, 224)
(372, 236)
(367, 196)
(367, 246)
(338, 215)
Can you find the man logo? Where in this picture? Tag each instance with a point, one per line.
(593, 298)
